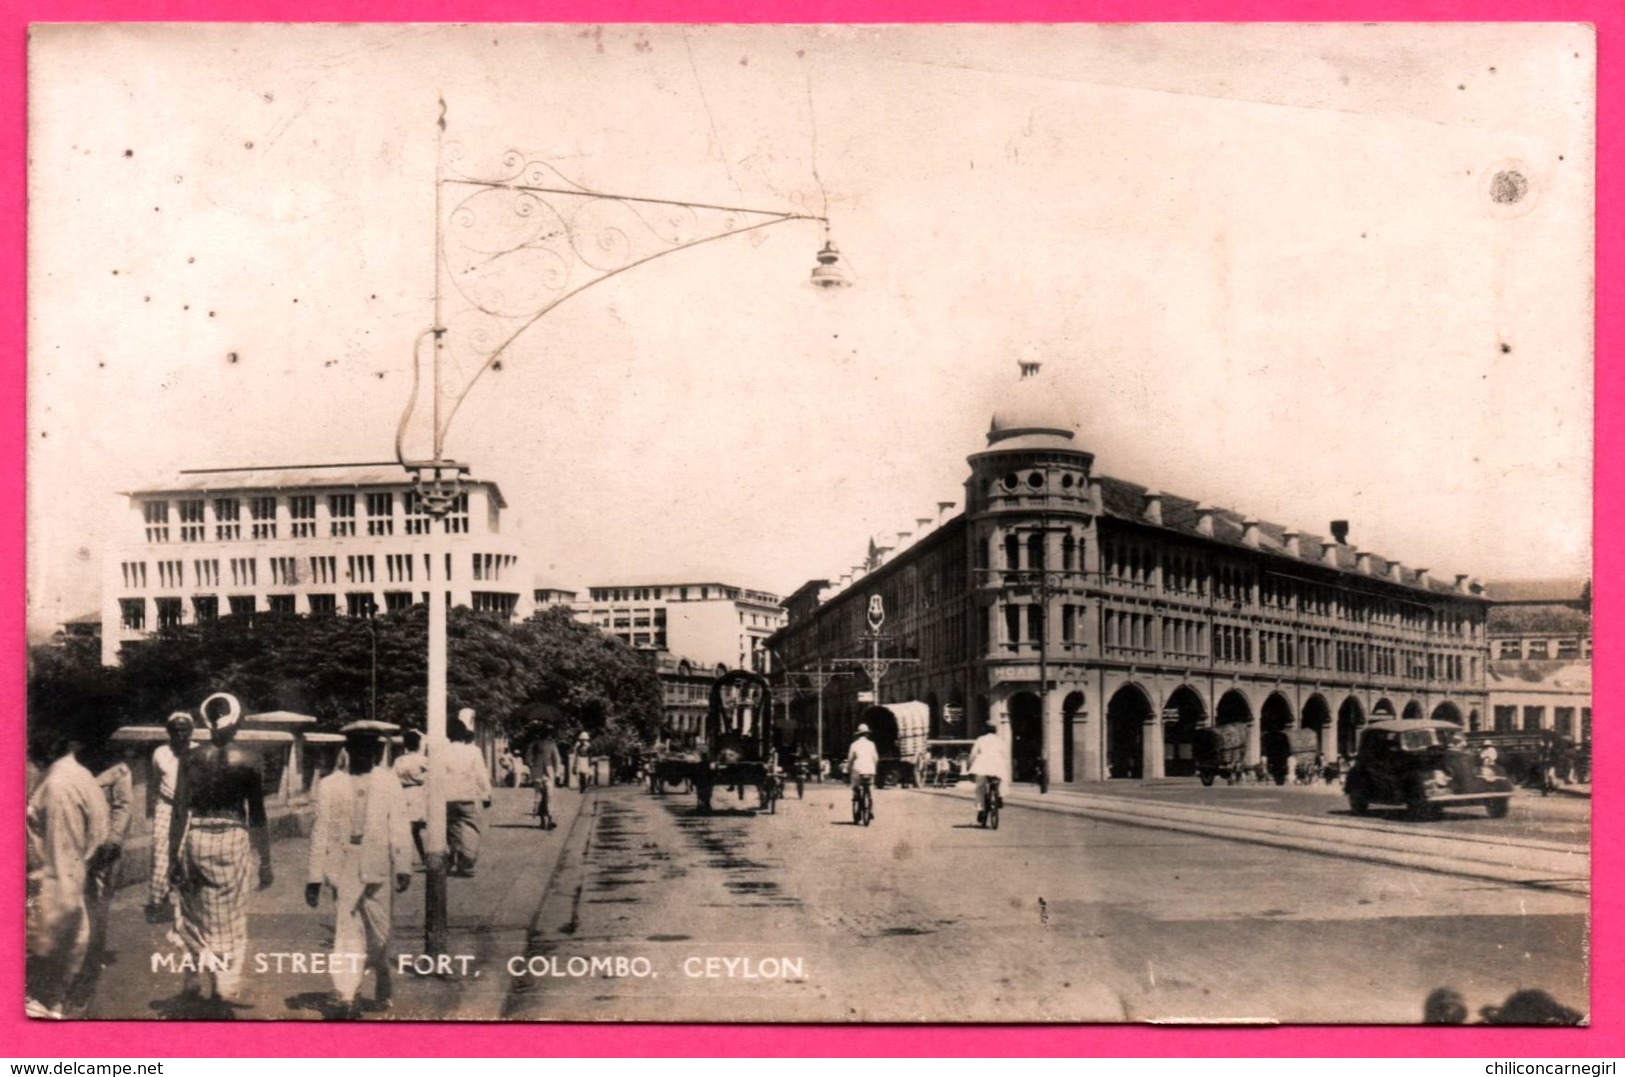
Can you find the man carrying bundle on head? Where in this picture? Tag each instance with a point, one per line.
(361, 850)
(217, 829)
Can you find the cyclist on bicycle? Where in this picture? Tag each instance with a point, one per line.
(862, 759)
(989, 764)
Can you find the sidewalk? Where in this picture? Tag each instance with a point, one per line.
(489, 920)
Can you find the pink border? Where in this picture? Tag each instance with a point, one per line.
(154, 1040)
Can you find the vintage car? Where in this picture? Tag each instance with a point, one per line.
(1424, 766)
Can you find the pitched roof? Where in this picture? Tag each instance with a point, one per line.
(1125, 500)
(1562, 590)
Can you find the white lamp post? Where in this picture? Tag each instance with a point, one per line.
(509, 248)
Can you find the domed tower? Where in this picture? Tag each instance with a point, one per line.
(1030, 511)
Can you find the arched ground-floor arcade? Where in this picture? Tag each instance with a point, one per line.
(1106, 724)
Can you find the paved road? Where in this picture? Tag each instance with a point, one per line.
(1562, 817)
(802, 916)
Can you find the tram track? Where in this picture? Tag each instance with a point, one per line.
(1544, 865)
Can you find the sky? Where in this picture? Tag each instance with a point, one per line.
(1269, 267)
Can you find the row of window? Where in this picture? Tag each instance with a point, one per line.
(1135, 565)
(1534, 719)
(1181, 637)
(302, 519)
(319, 570)
(169, 612)
(1540, 648)
(678, 593)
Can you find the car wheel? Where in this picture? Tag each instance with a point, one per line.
(1207, 777)
(1498, 807)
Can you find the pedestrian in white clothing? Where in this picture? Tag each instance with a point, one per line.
(361, 851)
(468, 792)
(989, 764)
(166, 767)
(66, 824)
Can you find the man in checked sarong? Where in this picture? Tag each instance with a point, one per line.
(360, 847)
(217, 828)
(166, 768)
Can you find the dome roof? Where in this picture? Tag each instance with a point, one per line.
(1032, 409)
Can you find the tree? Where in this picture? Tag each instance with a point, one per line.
(324, 666)
(595, 680)
(70, 692)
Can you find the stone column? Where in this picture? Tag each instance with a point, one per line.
(1255, 739)
(1151, 747)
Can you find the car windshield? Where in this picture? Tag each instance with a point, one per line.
(1412, 740)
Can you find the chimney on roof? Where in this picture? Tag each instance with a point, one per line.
(903, 537)
(1340, 532)
(943, 509)
(1475, 586)
(1461, 583)
(1153, 506)
(1292, 547)
(922, 524)
(1422, 579)
(1328, 554)
(1396, 571)
(1249, 532)
(1204, 519)
(1362, 562)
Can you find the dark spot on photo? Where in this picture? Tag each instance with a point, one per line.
(1508, 187)
(129, 153)
(1506, 349)
(231, 357)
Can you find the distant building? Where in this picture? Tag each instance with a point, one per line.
(345, 540)
(545, 595)
(84, 626)
(1100, 623)
(1540, 656)
(711, 624)
(685, 691)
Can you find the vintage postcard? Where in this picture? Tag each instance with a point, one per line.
(998, 523)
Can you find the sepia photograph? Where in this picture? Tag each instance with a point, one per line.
(809, 524)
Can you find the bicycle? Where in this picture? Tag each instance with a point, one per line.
(988, 804)
(772, 791)
(863, 801)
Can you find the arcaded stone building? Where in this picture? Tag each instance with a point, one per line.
(1100, 623)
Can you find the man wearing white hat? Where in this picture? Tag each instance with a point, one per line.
(862, 758)
(217, 830)
(166, 766)
(361, 850)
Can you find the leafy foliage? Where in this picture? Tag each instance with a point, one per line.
(325, 667)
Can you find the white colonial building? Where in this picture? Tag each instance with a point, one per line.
(345, 540)
(710, 624)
